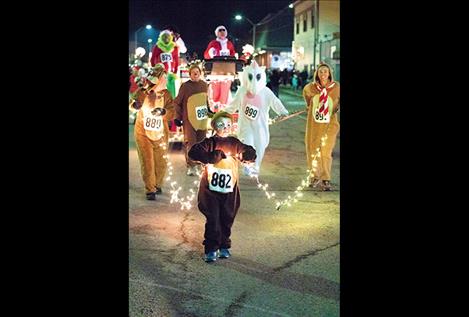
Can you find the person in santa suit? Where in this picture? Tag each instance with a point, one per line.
(322, 103)
(221, 46)
(166, 52)
(218, 196)
(151, 132)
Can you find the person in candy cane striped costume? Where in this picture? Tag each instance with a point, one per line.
(322, 97)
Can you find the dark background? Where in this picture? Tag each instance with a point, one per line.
(69, 171)
(197, 20)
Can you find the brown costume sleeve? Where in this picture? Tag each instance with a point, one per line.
(336, 97)
(200, 151)
(306, 95)
(247, 152)
(178, 103)
(169, 106)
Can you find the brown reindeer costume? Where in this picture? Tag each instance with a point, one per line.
(218, 197)
(152, 132)
(322, 106)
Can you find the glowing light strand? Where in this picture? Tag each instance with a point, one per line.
(311, 173)
(186, 200)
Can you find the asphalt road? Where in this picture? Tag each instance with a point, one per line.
(284, 262)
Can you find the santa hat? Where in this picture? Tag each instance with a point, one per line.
(167, 32)
(221, 27)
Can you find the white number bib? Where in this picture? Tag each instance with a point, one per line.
(152, 123)
(166, 57)
(224, 52)
(220, 180)
(251, 112)
(201, 112)
(320, 117)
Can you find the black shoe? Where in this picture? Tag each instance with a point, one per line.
(326, 186)
(151, 196)
(158, 190)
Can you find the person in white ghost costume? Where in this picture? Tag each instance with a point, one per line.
(254, 100)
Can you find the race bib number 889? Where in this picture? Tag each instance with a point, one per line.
(220, 180)
(153, 123)
(201, 112)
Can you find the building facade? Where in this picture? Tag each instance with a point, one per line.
(316, 35)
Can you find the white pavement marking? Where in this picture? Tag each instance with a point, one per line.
(208, 297)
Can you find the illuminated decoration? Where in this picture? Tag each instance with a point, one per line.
(184, 201)
(139, 52)
(305, 182)
(278, 119)
(248, 48)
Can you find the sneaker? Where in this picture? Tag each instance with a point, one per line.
(190, 171)
(158, 190)
(314, 182)
(211, 256)
(326, 186)
(151, 196)
(224, 254)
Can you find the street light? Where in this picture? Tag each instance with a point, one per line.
(262, 22)
(239, 17)
(148, 26)
(149, 49)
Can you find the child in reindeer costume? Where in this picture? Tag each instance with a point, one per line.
(151, 132)
(322, 103)
(167, 53)
(221, 46)
(191, 105)
(254, 100)
(218, 197)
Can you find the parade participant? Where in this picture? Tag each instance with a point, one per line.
(253, 100)
(177, 38)
(248, 50)
(166, 52)
(218, 196)
(322, 103)
(151, 132)
(192, 112)
(221, 46)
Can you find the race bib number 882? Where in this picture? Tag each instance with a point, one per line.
(220, 180)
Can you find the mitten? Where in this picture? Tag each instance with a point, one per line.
(158, 112)
(178, 122)
(216, 156)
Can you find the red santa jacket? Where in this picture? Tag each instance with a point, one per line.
(217, 49)
(170, 60)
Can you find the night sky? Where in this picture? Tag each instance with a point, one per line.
(197, 19)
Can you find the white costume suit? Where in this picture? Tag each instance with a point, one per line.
(253, 119)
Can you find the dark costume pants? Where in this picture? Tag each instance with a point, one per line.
(192, 137)
(220, 211)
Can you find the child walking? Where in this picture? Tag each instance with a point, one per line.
(218, 197)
